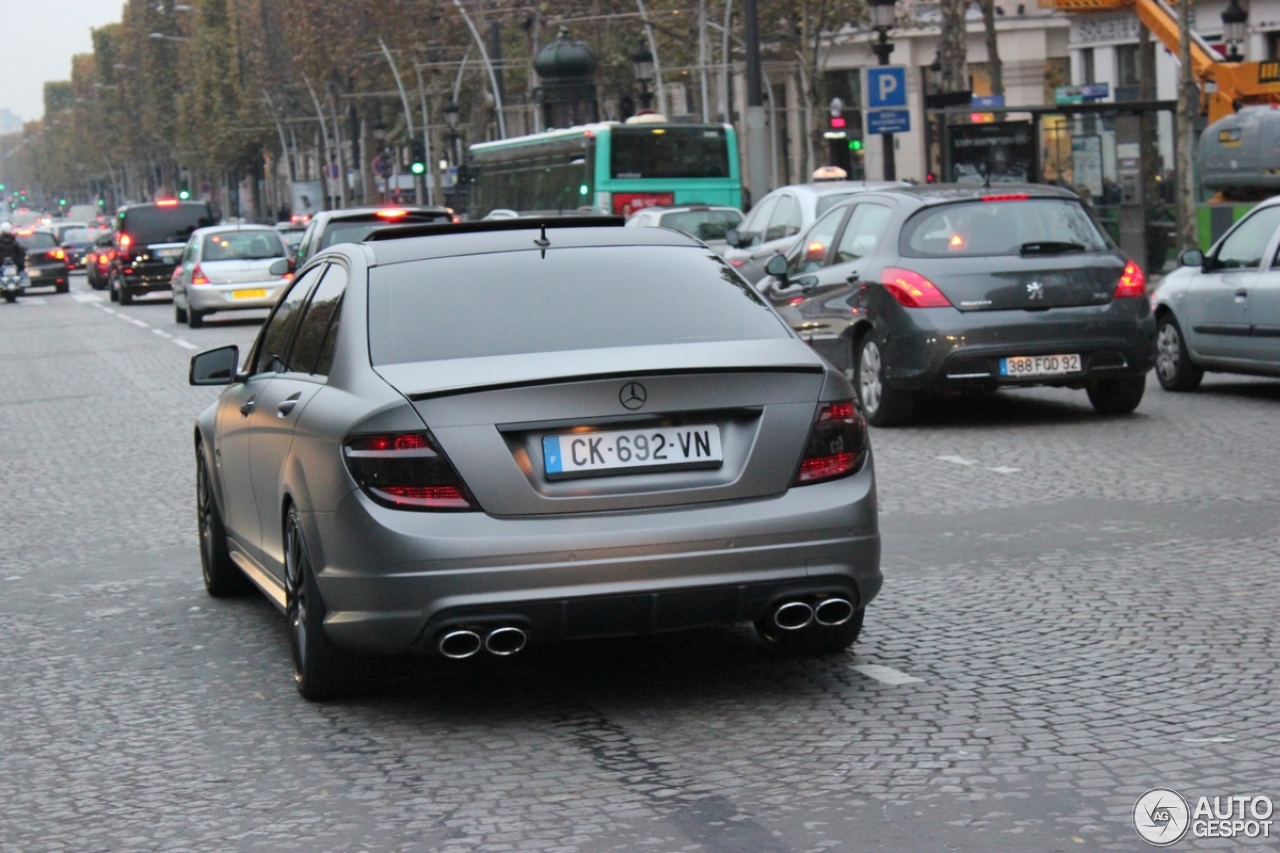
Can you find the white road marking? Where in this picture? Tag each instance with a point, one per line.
(185, 344)
(105, 308)
(885, 674)
(1005, 469)
(957, 460)
(161, 333)
(86, 297)
(137, 323)
(32, 300)
(1208, 740)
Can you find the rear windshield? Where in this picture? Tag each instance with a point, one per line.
(357, 229)
(669, 152)
(38, 240)
(242, 246)
(572, 299)
(151, 224)
(826, 202)
(703, 224)
(78, 235)
(984, 228)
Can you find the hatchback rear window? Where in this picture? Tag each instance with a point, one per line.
(703, 224)
(571, 299)
(356, 230)
(242, 246)
(168, 224)
(826, 202)
(38, 240)
(1000, 227)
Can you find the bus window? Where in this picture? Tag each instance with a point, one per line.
(668, 152)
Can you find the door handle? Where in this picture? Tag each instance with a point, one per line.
(286, 405)
(1242, 293)
(247, 408)
(852, 278)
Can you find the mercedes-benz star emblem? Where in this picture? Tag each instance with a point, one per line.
(632, 395)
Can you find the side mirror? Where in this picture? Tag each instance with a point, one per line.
(280, 268)
(1192, 258)
(777, 267)
(215, 367)
(732, 237)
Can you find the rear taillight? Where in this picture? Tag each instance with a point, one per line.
(56, 255)
(198, 276)
(1132, 282)
(837, 444)
(125, 241)
(912, 289)
(405, 471)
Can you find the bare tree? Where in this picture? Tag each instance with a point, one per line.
(954, 74)
(1188, 107)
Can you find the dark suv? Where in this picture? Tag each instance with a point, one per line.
(149, 240)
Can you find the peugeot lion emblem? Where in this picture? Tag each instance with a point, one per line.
(1035, 290)
(632, 395)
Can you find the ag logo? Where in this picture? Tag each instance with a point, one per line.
(632, 395)
(1161, 817)
(1035, 290)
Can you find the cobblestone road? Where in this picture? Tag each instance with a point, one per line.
(1076, 609)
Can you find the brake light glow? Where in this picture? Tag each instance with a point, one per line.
(912, 290)
(405, 471)
(198, 276)
(1132, 282)
(56, 255)
(167, 202)
(837, 445)
(125, 241)
(1006, 197)
(391, 213)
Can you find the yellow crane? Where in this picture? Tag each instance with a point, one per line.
(1225, 87)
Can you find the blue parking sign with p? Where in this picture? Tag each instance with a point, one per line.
(886, 86)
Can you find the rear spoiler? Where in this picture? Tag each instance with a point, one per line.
(523, 223)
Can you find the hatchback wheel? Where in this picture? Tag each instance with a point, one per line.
(179, 314)
(195, 319)
(1174, 368)
(111, 290)
(1118, 396)
(881, 405)
(320, 669)
(813, 639)
(221, 576)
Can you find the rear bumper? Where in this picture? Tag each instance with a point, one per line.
(221, 297)
(942, 348)
(147, 278)
(392, 580)
(47, 275)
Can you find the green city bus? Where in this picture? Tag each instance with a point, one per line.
(607, 167)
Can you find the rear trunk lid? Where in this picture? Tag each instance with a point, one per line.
(497, 419)
(239, 271)
(1002, 283)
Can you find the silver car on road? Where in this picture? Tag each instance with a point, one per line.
(229, 268)
(457, 439)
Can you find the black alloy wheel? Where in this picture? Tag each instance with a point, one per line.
(320, 669)
(813, 639)
(882, 405)
(1174, 367)
(222, 578)
(1117, 396)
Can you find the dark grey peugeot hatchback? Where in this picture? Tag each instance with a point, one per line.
(921, 289)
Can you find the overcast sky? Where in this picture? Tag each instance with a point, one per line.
(40, 37)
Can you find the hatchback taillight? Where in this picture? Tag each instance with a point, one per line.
(912, 290)
(198, 276)
(1132, 282)
(404, 470)
(837, 444)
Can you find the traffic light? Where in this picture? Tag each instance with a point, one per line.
(855, 145)
(1, 188)
(184, 188)
(62, 202)
(417, 157)
(184, 194)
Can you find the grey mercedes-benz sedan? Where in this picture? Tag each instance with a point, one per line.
(459, 439)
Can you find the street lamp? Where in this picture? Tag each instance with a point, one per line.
(1235, 22)
(883, 17)
(642, 62)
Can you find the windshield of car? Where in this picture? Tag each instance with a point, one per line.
(169, 224)
(999, 227)
(703, 224)
(357, 229)
(668, 152)
(242, 246)
(37, 240)
(825, 202)
(571, 299)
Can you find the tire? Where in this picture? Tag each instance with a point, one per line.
(222, 578)
(1174, 367)
(126, 297)
(881, 405)
(320, 669)
(814, 640)
(1118, 396)
(62, 288)
(111, 290)
(10, 297)
(195, 319)
(179, 314)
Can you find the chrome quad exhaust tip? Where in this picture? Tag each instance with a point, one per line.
(459, 644)
(505, 641)
(833, 611)
(793, 615)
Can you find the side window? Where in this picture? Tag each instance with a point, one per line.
(273, 345)
(189, 253)
(778, 221)
(795, 221)
(1244, 247)
(304, 245)
(308, 354)
(811, 252)
(862, 234)
(752, 232)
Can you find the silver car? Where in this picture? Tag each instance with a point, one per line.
(773, 223)
(455, 440)
(709, 224)
(1221, 311)
(229, 268)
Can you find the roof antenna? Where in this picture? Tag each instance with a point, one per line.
(542, 242)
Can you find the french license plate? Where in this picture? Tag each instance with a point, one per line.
(33, 273)
(1030, 366)
(248, 294)
(170, 253)
(593, 454)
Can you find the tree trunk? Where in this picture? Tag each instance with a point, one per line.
(367, 149)
(1188, 107)
(994, 65)
(954, 76)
